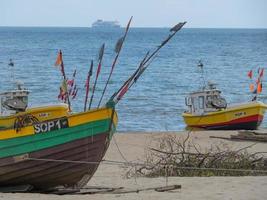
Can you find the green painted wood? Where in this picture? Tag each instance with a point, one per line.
(26, 144)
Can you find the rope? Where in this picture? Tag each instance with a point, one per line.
(121, 154)
(113, 162)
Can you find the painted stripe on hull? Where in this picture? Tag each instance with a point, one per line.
(246, 123)
(27, 144)
(43, 174)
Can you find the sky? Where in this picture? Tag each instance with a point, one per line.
(146, 13)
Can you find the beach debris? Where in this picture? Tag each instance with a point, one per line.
(175, 156)
(109, 190)
(246, 136)
(87, 190)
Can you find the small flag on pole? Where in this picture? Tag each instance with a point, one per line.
(261, 73)
(259, 88)
(251, 87)
(59, 59)
(250, 74)
(119, 45)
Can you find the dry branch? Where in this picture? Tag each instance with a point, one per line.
(174, 156)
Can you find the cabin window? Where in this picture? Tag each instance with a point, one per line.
(208, 101)
(195, 103)
(188, 101)
(201, 102)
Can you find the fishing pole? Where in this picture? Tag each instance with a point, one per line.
(131, 77)
(118, 48)
(100, 58)
(144, 64)
(87, 84)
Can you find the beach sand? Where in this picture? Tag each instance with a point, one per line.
(132, 147)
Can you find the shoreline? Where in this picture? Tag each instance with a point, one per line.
(131, 147)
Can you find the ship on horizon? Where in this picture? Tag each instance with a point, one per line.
(101, 24)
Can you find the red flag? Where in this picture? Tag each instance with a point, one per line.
(70, 82)
(261, 73)
(250, 74)
(123, 91)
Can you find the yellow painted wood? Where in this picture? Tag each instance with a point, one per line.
(225, 115)
(73, 120)
(41, 113)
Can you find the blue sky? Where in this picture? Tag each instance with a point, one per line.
(147, 13)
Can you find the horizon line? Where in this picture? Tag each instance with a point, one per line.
(36, 26)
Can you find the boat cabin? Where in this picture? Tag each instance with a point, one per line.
(14, 101)
(207, 100)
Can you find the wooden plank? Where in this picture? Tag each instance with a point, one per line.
(157, 189)
(168, 188)
(219, 137)
(18, 188)
(249, 138)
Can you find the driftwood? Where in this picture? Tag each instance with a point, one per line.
(175, 156)
(109, 190)
(258, 138)
(157, 189)
(246, 135)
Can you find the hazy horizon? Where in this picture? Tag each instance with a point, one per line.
(133, 27)
(147, 14)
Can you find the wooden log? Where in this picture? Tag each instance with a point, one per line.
(255, 132)
(250, 138)
(157, 189)
(65, 191)
(219, 137)
(168, 188)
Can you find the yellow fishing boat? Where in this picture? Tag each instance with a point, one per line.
(208, 109)
(14, 105)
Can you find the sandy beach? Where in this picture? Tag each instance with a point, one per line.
(132, 147)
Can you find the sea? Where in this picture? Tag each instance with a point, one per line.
(157, 100)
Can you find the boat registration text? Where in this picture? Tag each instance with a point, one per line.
(51, 125)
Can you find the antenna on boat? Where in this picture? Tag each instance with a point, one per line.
(11, 64)
(201, 66)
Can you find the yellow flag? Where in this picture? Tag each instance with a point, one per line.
(64, 87)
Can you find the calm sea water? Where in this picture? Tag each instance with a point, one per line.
(157, 100)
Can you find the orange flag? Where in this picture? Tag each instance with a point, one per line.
(259, 88)
(59, 59)
(251, 87)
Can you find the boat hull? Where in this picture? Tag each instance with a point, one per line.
(246, 116)
(65, 157)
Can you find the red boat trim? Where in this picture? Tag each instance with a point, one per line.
(237, 122)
